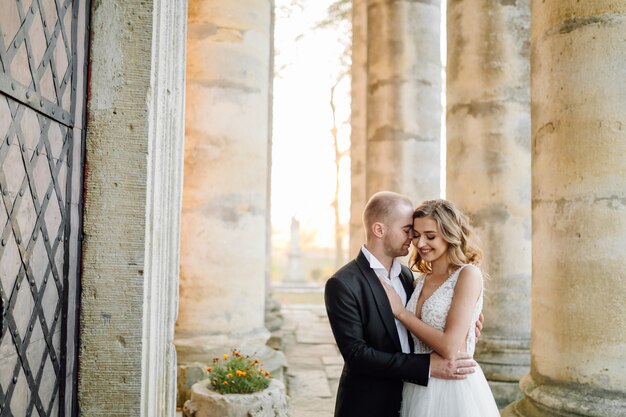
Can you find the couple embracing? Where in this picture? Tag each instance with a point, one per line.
(407, 344)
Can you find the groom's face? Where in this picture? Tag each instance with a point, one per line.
(398, 231)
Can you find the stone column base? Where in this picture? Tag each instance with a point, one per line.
(504, 362)
(571, 400)
(186, 376)
(505, 392)
(204, 402)
(273, 316)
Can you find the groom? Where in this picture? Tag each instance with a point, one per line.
(375, 347)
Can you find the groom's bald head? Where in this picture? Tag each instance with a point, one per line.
(382, 207)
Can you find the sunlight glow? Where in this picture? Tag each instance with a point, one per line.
(307, 64)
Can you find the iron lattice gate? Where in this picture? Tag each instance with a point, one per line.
(42, 97)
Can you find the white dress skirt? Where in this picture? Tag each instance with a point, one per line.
(470, 397)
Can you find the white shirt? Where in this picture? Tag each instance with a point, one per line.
(393, 279)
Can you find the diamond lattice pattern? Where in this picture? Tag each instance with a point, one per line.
(36, 176)
(31, 257)
(35, 48)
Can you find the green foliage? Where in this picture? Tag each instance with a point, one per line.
(238, 374)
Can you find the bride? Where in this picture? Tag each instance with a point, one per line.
(441, 313)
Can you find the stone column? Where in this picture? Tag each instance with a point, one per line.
(488, 170)
(579, 211)
(358, 125)
(225, 205)
(133, 185)
(403, 97)
(273, 316)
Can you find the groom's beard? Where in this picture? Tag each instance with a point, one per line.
(397, 252)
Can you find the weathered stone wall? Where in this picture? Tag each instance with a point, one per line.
(579, 211)
(132, 201)
(488, 170)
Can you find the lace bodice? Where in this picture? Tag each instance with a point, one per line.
(435, 309)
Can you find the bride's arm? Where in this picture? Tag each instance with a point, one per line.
(447, 343)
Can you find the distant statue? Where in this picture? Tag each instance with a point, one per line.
(295, 236)
(295, 271)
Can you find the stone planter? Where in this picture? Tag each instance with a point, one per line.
(204, 402)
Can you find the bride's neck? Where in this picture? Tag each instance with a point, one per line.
(440, 267)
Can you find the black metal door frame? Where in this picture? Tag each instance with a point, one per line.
(25, 101)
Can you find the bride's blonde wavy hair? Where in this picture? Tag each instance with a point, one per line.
(455, 230)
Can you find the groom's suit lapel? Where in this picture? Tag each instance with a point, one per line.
(406, 276)
(407, 281)
(382, 302)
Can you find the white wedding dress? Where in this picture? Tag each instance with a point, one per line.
(469, 397)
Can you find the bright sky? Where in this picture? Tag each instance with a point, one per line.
(303, 170)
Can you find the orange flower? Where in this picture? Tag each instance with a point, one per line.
(209, 369)
(267, 373)
(225, 356)
(240, 373)
(225, 383)
(229, 375)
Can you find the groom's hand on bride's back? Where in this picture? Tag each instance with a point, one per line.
(479, 325)
(457, 368)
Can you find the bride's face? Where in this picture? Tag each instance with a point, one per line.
(427, 239)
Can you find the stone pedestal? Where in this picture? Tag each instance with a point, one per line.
(273, 316)
(225, 203)
(195, 354)
(204, 402)
(579, 211)
(488, 171)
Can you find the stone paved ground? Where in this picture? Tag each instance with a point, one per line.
(314, 360)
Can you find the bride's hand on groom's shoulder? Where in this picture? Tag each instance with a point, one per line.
(394, 299)
(457, 368)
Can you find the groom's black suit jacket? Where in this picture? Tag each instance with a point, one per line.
(364, 328)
